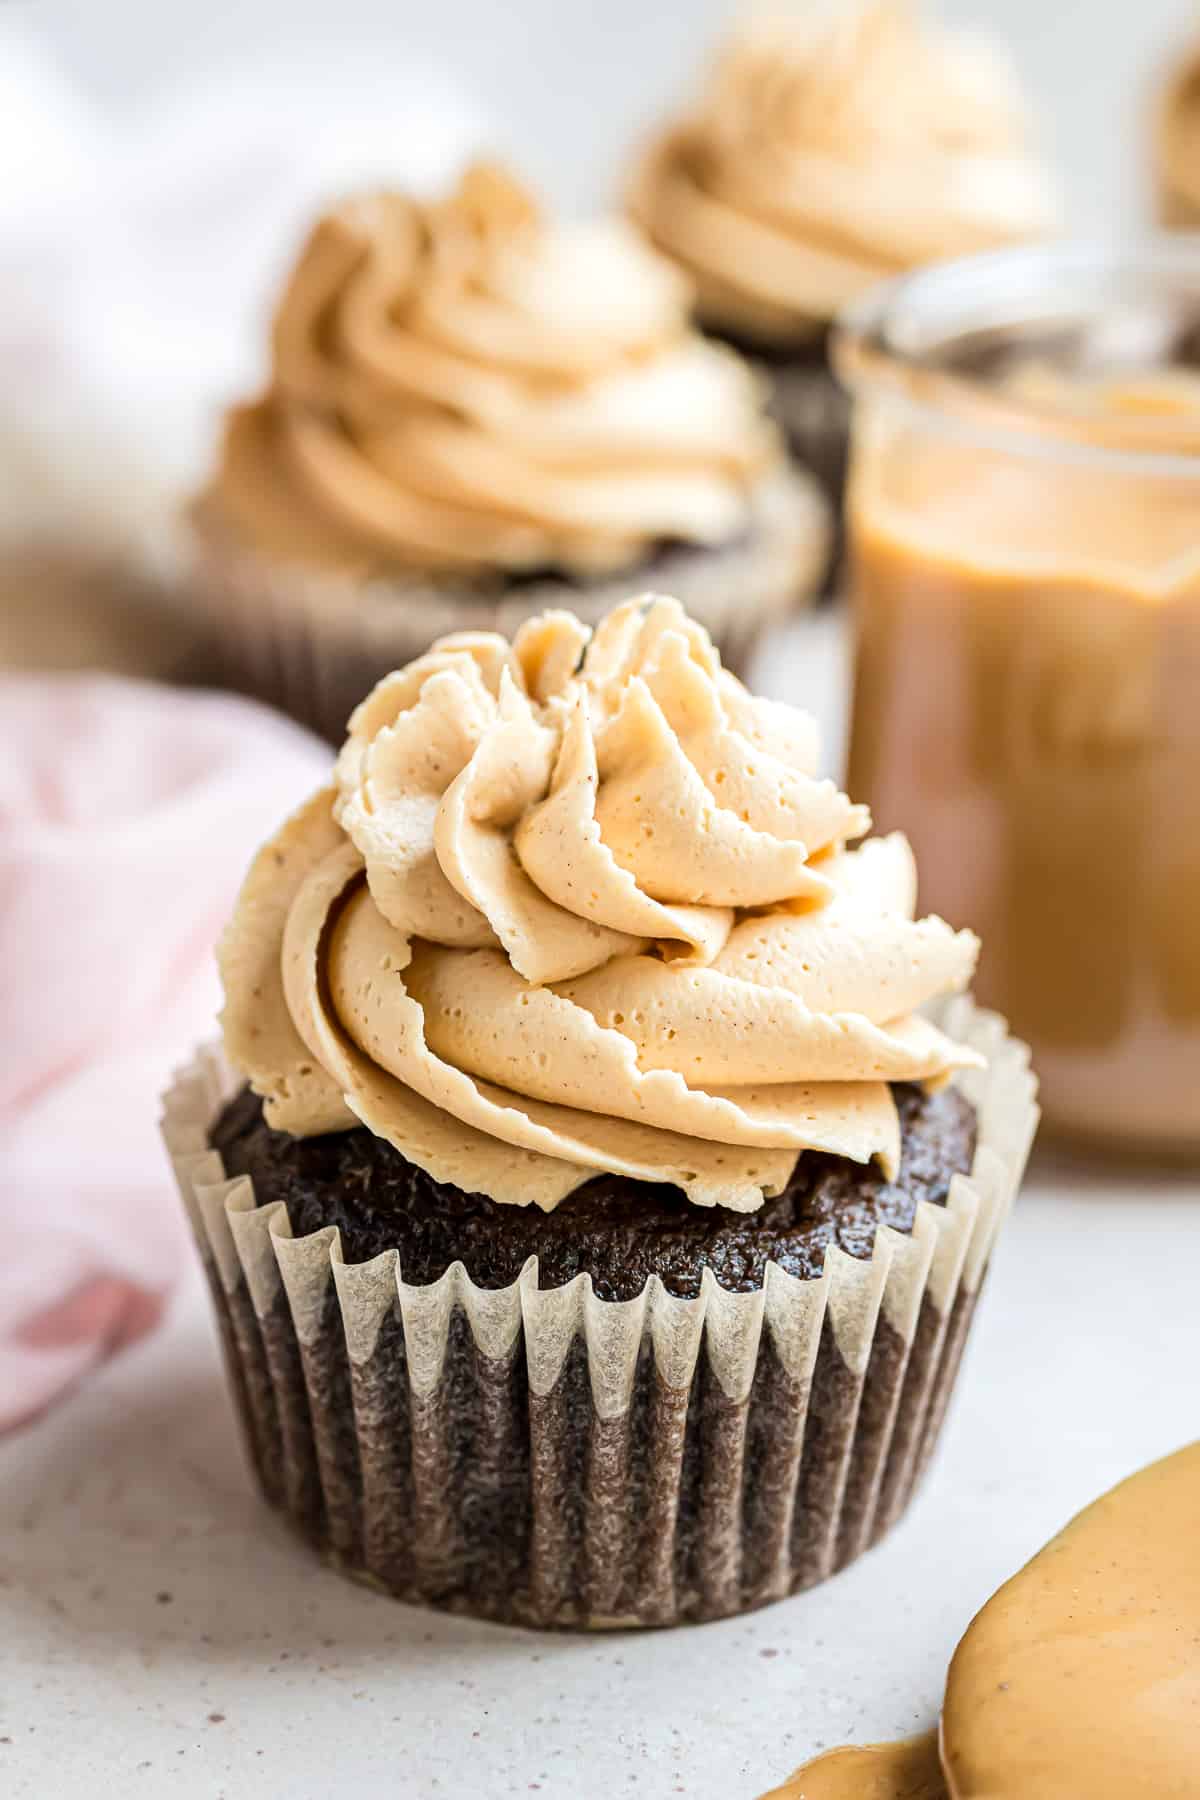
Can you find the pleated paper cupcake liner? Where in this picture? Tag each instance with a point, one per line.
(813, 410)
(549, 1458)
(314, 644)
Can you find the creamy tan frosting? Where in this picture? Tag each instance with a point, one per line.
(580, 903)
(1080, 1677)
(835, 145)
(1177, 144)
(465, 387)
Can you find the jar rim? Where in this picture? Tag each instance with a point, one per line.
(888, 341)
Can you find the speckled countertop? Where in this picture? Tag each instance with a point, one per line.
(161, 1633)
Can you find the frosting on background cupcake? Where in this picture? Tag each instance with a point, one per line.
(464, 387)
(581, 904)
(833, 146)
(1177, 144)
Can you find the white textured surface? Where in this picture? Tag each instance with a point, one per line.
(161, 1633)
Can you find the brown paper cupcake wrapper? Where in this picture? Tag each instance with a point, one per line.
(314, 644)
(549, 1458)
(813, 410)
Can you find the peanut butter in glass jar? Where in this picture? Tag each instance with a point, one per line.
(1025, 539)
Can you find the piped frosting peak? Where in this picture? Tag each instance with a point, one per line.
(834, 145)
(465, 387)
(581, 903)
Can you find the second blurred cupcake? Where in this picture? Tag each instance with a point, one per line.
(474, 415)
(831, 147)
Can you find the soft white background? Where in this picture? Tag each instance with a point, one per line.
(576, 78)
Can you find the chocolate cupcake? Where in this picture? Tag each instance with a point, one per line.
(827, 151)
(593, 1219)
(474, 416)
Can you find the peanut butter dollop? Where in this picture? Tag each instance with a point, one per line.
(464, 388)
(580, 903)
(909, 1770)
(1080, 1677)
(830, 148)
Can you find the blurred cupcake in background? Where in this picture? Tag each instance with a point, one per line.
(832, 146)
(139, 255)
(474, 414)
(1177, 143)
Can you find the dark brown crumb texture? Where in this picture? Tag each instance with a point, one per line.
(620, 1232)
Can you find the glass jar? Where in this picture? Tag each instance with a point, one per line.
(1024, 518)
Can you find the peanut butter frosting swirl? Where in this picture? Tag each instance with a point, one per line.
(835, 145)
(465, 388)
(1177, 144)
(580, 904)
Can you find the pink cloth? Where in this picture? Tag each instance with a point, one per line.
(128, 815)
